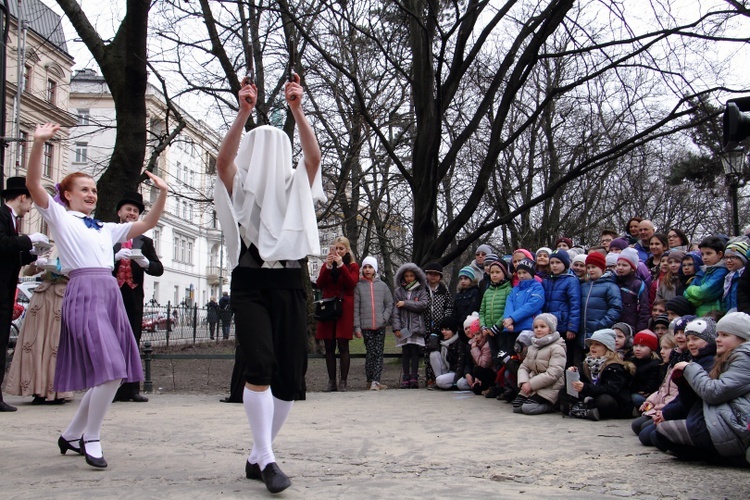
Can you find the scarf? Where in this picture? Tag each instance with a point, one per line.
(411, 286)
(595, 367)
(444, 348)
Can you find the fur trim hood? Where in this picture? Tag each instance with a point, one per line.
(410, 266)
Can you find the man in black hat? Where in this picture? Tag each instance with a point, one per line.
(15, 251)
(133, 258)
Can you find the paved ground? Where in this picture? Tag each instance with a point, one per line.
(389, 444)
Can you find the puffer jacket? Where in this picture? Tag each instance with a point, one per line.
(601, 305)
(544, 366)
(726, 401)
(679, 407)
(634, 295)
(667, 392)
(614, 380)
(729, 300)
(373, 304)
(493, 304)
(707, 288)
(466, 301)
(524, 302)
(411, 315)
(562, 297)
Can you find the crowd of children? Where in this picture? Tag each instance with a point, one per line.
(639, 327)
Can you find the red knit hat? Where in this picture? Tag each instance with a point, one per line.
(597, 259)
(647, 338)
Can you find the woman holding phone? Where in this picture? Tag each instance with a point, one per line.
(338, 277)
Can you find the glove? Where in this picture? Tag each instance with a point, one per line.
(38, 238)
(495, 330)
(123, 253)
(141, 260)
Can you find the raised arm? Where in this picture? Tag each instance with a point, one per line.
(152, 217)
(42, 134)
(228, 150)
(308, 141)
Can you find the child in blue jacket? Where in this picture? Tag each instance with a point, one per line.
(708, 286)
(524, 302)
(562, 296)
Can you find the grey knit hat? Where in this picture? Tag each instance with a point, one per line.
(550, 319)
(605, 336)
(703, 328)
(624, 328)
(736, 323)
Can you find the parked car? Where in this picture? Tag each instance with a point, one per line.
(24, 292)
(156, 321)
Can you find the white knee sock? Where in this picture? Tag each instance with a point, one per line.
(259, 407)
(78, 424)
(101, 400)
(281, 411)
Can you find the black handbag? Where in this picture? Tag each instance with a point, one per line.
(329, 309)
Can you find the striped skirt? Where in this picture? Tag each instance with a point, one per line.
(96, 341)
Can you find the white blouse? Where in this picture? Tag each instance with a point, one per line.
(79, 246)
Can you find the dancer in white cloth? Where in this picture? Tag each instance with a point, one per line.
(266, 209)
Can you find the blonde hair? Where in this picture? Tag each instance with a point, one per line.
(344, 241)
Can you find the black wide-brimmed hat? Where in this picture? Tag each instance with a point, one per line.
(133, 198)
(15, 186)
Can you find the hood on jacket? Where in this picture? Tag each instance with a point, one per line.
(410, 266)
(697, 260)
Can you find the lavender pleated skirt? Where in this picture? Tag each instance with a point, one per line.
(96, 341)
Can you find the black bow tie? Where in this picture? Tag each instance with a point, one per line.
(92, 223)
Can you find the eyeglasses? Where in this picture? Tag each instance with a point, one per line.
(733, 257)
(480, 254)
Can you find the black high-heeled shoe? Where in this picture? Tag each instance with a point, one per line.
(93, 461)
(65, 445)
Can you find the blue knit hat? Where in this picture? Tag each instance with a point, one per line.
(562, 256)
(467, 271)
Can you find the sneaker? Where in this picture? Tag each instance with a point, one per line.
(380, 387)
(405, 382)
(492, 392)
(374, 386)
(414, 382)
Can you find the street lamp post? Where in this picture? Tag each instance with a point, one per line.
(733, 161)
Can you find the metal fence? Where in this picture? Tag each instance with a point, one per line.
(168, 325)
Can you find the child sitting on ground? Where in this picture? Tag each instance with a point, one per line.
(446, 361)
(647, 367)
(541, 375)
(667, 390)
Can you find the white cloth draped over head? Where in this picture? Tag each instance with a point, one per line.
(273, 203)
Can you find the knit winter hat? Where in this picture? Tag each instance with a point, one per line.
(647, 338)
(434, 267)
(736, 323)
(581, 257)
(662, 319)
(527, 265)
(611, 259)
(548, 318)
(546, 250)
(697, 259)
(619, 243)
(629, 255)
(484, 248)
(677, 255)
(565, 240)
(606, 337)
(501, 265)
(526, 253)
(371, 261)
(737, 249)
(449, 323)
(562, 256)
(596, 259)
(703, 328)
(467, 271)
(680, 305)
(491, 257)
(471, 323)
(681, 322)
(624, 328)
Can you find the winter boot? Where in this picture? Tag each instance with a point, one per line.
(580, 411)
(414, 381)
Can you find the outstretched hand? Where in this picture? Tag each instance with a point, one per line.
(46, 132)
(158, 181)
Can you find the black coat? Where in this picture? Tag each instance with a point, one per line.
(614, 380)
(133, 297)
(648, 375)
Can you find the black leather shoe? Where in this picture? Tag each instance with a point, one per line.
(99, 463)
(38, 400)
(276, 481)
(6, 407)
(252, 471)
(65, 445)
(139, 398)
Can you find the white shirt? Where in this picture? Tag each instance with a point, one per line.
(79, 246)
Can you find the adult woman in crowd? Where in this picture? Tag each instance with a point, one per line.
(657, 246)
(631, 230)
(678, 240)
(338, 277)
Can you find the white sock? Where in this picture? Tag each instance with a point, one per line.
(101, 400)
(78, 424)
(281, 411)
(259, 409)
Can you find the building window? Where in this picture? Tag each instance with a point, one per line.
(83, 116)
(82, 152)
(178, 168)
(157, 240)
(24, 137)
(51, 90)
(27, 79)
(183, 249)
(189, 252)
(49, 150)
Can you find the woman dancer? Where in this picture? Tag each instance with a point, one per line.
(97, 348)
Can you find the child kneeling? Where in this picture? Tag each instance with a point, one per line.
(541, 374)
